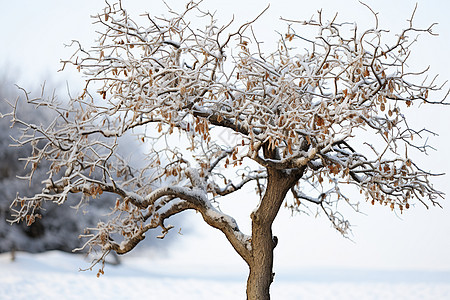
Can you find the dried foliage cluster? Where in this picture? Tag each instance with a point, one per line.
(297, 109)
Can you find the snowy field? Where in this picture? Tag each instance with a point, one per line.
(55, 275)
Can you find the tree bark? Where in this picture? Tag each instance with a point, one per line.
(260, 275)
(261, 263)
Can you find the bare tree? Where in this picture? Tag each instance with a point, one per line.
(297, 115)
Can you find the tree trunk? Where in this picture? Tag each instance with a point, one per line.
(260, 276)
(261, 263)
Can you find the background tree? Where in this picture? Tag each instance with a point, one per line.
(59, 227)
(297, 114)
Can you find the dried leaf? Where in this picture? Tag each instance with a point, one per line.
(366, 72)
(319, 121)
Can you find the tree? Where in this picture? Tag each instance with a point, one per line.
(297, 116)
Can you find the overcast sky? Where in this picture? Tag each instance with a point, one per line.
(33, 34)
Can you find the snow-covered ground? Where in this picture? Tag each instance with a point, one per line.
(55, 275)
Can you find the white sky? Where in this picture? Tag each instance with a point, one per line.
(32, 37)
